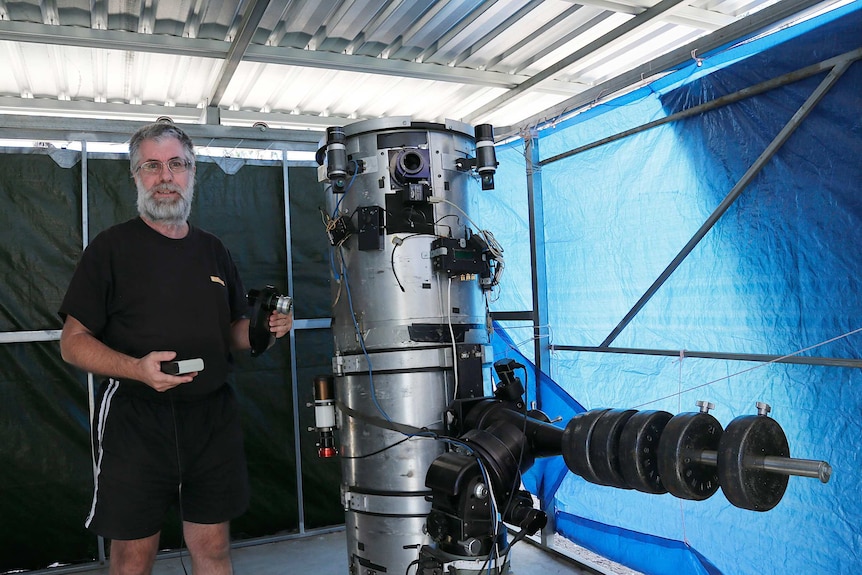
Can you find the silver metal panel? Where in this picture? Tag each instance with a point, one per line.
(377, 459)
(380, 541)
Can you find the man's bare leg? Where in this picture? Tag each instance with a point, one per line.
(209, 546)
(133, 557)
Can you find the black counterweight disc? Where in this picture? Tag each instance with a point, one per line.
(605, 447)
(576, 444)
(685, 437)
(746, 439)
(638, 454)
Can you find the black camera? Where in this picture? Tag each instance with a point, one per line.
(270, 300)
(263, 303)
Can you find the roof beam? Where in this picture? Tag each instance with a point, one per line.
(110, 40)
(250, 21)
(565, 39)
(285, 56)
(752, 24)
(399, 68)
(684, 15)
(428, 53)
(640, 20)
(496, 32)
(76, 111)
(118, 131)
(531, 37)
(372, 27)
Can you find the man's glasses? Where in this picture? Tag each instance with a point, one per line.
(175, 165)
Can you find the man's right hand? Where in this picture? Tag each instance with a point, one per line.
(82, 349)
(151, 371)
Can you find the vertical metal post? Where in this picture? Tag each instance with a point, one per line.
(536, 214)
(541, 345)
(293, 377)
(91, 384)
(85, 215)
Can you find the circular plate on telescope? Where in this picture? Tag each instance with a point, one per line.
(638, 452)
(605, 446)
(745, 486)
(685, 437)
(576, 444)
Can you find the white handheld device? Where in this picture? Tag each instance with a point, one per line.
(182, 366)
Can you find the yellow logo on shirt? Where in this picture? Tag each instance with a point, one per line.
(216, 279)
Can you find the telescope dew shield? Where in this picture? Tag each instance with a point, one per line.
(336, 158)
(486, 157)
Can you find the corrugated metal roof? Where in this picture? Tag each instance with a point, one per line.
(314, 63)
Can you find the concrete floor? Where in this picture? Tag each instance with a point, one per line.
(326, 554)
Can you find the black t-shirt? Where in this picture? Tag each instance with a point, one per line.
(139, 291)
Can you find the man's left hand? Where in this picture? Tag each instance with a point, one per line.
(280, 323)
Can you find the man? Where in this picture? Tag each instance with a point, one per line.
(152, 290)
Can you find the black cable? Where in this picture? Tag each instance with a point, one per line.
(379, 451)
(392, 262)
(440, 219)
(408, 212)
(487, 562)
(180, 487)
(392, 254)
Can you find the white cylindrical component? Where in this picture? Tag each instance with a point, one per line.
(324, 415)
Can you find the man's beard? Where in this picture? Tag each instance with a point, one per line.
(173, 210)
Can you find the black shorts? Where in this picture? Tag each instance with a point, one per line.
(153, 453)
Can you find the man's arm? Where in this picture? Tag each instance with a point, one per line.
(239, 335)
(79, 347)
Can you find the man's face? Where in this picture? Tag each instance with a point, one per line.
(164, 196)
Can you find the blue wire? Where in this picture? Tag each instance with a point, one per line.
(335, 213)
(361, 340)
(337, 204)
(487, 479)
(350, 299)
(335, 273)
(349, 185)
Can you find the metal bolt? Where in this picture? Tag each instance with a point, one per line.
(763, 408)
(705, 406)
(480, 491)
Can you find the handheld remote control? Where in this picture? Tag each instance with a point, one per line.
(182, 366)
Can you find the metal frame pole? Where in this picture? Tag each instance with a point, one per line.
(735, 192)
(536, 214)
(294, 384)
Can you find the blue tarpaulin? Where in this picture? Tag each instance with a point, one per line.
(780, 273)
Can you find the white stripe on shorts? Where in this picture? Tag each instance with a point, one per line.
(104, 407)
